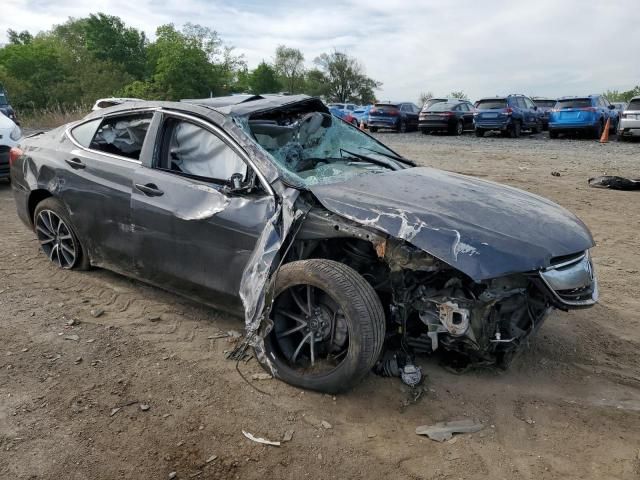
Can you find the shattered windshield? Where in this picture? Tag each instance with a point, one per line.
(318, 148)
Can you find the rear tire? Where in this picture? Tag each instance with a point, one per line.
(597, 131)
(515, 129)
(57, 236)
(357, 313)
(402, 127)
(459, 128)
(425, 131)
(553, 134)
(373, 129)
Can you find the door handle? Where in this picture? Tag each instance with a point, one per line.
(150, 189)
(75, 163)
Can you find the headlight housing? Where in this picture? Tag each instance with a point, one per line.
(16, 133)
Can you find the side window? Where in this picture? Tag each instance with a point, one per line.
(190, 149)
(83, 134)
(405, 107)
(521, 102)
(351, 107)
(527, 102)
(122, 135)
(463, 107)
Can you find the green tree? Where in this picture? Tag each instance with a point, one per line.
(19, 38)
(346, 80)
(264, 79)
(108, 39)
(315, 83)
(617, 96)
(289, 63)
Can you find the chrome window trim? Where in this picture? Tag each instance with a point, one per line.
(228, 140)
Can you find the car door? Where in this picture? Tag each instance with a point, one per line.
(98, 188)
(535, 113)
(196, 225)
(467, 115)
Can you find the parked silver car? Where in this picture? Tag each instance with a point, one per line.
(629, 125)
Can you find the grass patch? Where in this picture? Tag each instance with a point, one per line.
(52, 117)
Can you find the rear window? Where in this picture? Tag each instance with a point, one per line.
(633, 105)
(385, 107)
(122, 135)
(573, 103)
(493, 104)
(545, 103)
(442, 106)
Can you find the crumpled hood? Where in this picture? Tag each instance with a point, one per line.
(481, 228)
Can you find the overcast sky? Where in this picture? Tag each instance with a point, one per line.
(541, 47)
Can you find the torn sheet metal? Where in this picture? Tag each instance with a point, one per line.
(481, 228)
(255, 278)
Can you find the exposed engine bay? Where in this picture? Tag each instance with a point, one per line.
(429, 305)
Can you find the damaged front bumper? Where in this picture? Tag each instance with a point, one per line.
(572, 282)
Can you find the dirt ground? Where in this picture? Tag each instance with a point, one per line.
(72, 396)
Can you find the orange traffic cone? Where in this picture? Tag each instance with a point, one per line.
(361, 124)
(605, 135)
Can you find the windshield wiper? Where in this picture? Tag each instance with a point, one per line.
(368, 159)
(392, 156)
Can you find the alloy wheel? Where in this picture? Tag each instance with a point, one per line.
(310, 330)
(56, 239)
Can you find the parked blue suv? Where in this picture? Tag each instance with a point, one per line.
(582, 114)
(509, 115)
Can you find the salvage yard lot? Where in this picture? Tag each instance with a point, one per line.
(569, 407)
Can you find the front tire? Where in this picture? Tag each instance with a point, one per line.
(479, 132)
(553, 134)
(328, 326)
(373, 129)
(57, 236)
(402, 127)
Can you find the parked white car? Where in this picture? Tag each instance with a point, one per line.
(10, 134)
(629, 125)
(112, 101)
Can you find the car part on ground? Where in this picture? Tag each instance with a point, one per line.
(509, 115)
(331, 245)
(582, 114)
(615, 183)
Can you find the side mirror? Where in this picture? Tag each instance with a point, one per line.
(535, 107)
(612, 107)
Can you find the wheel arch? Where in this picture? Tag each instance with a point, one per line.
(35, 197)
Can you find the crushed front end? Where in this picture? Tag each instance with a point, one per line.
(436, 307)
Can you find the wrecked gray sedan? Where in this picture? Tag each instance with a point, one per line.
(332, 246)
